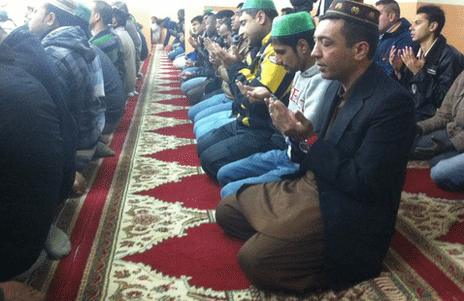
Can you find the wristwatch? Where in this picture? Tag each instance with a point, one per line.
(305, 145)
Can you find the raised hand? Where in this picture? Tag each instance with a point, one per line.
(193, 42)
(253, 94)
(291, 124)
(411, 61)
(230, 56)
(304, 128)
(395, 59)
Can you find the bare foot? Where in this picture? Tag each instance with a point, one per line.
(18, 291)
(80, 185)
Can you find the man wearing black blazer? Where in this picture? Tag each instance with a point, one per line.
(331, 226)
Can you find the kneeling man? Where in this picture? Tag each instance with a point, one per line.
(331, 226)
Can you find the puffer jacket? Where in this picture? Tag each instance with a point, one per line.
(68, 49)
(30, 56)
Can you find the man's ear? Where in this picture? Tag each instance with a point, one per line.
(97, 17)
(361, 50)
(433, 26)
(391, 16)
(50, 19)
(261, 17)
(303, 47)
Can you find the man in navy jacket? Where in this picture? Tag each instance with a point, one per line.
(331, 226)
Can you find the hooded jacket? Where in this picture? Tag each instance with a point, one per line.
(68, 49)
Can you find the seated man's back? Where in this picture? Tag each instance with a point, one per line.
(31, 160)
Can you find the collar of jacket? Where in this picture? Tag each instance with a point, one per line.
(265, 41)
(257, 59)
(100, 34)
(310, 72)
(436, 51)
(403, 26)
(361, 90)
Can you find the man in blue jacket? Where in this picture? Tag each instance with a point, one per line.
(394, 31)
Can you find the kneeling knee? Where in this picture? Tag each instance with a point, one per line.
(257, 271)
(223, 215)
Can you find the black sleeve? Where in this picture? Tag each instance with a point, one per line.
(388, 137)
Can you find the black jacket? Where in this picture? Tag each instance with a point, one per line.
(31, 166)
(360, 162)
(31, 57)
(429, 86)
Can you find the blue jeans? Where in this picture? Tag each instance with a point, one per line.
(258, 168)
(232, 142)
(449, 173)
(214, 121)
(192, 83)
(222, 107)
(205, 104)
(191, 69)
(178, 50)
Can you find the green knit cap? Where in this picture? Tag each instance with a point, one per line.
(82, 11)
(259, 4)
(208, 10)
(292, 24)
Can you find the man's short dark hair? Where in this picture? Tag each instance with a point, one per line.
(356, 31)
(225, 13)
(286, 10)
(302, 5)
(105, 11)
(434, 14)
(207, 14)
(228, 23)
(120, 16)
(292, 40)
(198, 19)
(391, 5)
(270, 13)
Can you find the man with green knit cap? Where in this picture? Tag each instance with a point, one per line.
(252, 131)
(293, 41)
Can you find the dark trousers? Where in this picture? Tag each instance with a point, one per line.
(233, 142)
(425, 141)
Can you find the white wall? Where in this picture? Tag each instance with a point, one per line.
(168, 8)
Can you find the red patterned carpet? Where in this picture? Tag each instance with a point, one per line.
(146, 229)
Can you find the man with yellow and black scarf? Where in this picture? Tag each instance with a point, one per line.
(252, 130)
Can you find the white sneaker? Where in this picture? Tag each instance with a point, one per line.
(58, 244)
